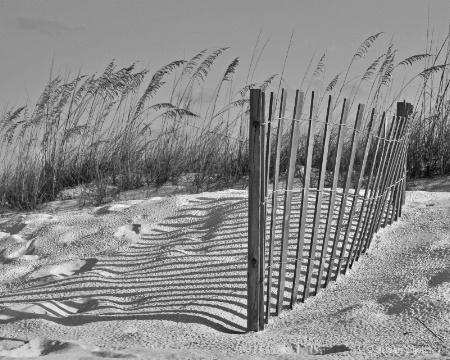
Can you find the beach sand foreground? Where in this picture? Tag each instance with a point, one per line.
(165, 278)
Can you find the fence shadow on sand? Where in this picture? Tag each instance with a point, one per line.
(190, 268)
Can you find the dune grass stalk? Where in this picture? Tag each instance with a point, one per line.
(110, 130)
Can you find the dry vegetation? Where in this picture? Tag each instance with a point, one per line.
(109, 130)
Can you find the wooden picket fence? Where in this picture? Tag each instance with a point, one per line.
(307, 227)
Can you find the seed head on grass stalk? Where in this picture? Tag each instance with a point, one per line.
(360, 53)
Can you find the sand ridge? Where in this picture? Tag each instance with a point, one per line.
(166, 278)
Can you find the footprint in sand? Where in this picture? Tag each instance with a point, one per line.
(38, 347)
(440, 278)
(73, 267)
(129, 234)
(14, 247)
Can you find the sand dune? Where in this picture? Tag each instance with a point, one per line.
(165, 277)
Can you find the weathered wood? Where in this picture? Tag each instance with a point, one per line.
(393, 194)
(409, 111)
(262, 211)
(359, 235)
(385, 169)
(337, 165)
(376, 187)
(396, 201)
(402, 186)
(348, 241)
(275, 200)
(393, 164)
(318, 204)
(345, 191)
(395, 191)
(295, 134)
(269, 139)
(254, 225)
(386, 178)
(304, 207)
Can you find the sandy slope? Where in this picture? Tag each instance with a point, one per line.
(165, 277)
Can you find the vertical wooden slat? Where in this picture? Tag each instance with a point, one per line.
(299, 102)
(392, 196)
(409, 112)
(304, 207)
(378, 209)
(337, 165)
(402, 185)
(347, 240)
(253, 212)
(347, 183)
(393, 164)
(394, 193)
(385, 176)
(262, 211)
(359, 235)
(396, 203)
(370, 215)
(275, 200)
(403, 189)
(269, 139)
(389, 180)
(318, 205)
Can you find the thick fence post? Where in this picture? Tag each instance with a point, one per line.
(254, 218)
(404, 109)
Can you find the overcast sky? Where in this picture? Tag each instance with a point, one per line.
(88, 34)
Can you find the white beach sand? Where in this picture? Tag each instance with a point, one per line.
(165, 278)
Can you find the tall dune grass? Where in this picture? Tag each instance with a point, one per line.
(106, 129)
(110, 130)
(429, 145)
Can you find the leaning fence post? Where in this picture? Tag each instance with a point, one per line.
(254, 219)
(409, 110)
(403, 110)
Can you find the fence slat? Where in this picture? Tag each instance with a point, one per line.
(253, 212)
(385, 168)
(299, 102)
(402, 110)
(346, 188)
(337, 165)
(393, 193)
(409, 111)
(262, 210)
(275, 200)
(379, 208)
(393, 164)
(347, 239)
(304, 206)
(395, 200)
(270, 121)
(318, 205)
(359, 235)
(372, 202)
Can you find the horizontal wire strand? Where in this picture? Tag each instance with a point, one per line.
(333, 124)
(299, 190)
